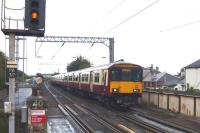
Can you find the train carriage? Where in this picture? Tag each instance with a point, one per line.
(117, 83)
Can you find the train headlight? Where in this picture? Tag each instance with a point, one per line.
(136, 90)
(115, 90)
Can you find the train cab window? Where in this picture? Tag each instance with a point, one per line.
(137, 74)
(126, 74)
(116, 74)
(96, 77)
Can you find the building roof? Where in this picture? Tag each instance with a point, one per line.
(149, 74)
(164, 77)
(195, 64)
(168, 79)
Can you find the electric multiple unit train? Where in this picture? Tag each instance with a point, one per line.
(117, 83)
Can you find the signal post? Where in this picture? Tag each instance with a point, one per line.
(12, 77)
(34, 25)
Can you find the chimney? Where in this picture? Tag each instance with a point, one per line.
(151, 67)
(157, 68)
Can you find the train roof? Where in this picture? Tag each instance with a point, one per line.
(106, 66)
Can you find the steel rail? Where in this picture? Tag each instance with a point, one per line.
(95, 116)
(84, 127)
(102, 120)
(171, 125)
(143, 124)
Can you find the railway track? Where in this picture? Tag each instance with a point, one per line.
(70, 111)
(102, 120)
(143, 124)
(138, 118)
(168, 125)
(67, 111)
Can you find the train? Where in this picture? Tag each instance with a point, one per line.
(115, 84)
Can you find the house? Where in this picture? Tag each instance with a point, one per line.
(154, 79)
(192, 75)
(149, 75)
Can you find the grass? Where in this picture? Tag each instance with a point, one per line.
(4, 122)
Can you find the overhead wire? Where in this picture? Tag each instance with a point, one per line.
(109, 12)
(38, 49)
(112, 9)
(57, 51)
(180, 26)
(132, 16)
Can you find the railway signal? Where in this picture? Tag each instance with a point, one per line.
(34, 14)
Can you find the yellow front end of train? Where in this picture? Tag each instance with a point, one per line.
(126, 87)
(125, 84)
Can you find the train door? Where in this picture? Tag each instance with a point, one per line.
(104, 80)
(79, 80)
(91, 81)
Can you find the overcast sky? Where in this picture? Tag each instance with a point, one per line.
(164, 33)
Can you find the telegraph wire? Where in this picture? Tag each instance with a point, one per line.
(181, 26)
(132, 16)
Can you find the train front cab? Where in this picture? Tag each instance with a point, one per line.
(125, 84)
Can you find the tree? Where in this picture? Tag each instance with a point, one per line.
(22, 76)
(79, 63)
(2, 69)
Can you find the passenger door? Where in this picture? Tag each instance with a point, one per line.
(91, 81)
(104, 80)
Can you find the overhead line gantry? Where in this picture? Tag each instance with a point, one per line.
(109, 42)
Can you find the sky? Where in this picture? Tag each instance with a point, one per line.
(164, 33)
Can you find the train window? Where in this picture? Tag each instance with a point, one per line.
(74, 78)
(126, 75)
(82, 78)
(119, 74)
(70, 78)
(96, 77)
(86, 78)
(137, 74)
(66, 78)
(79, 77)
(116, 75)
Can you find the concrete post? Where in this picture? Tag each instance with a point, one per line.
(12, 85)
(111, 49)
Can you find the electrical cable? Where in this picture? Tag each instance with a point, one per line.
(132, 16)
(57, 51)
(180, 26)
(112, 9)
(38, 49)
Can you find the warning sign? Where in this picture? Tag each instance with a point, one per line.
(38, 117)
